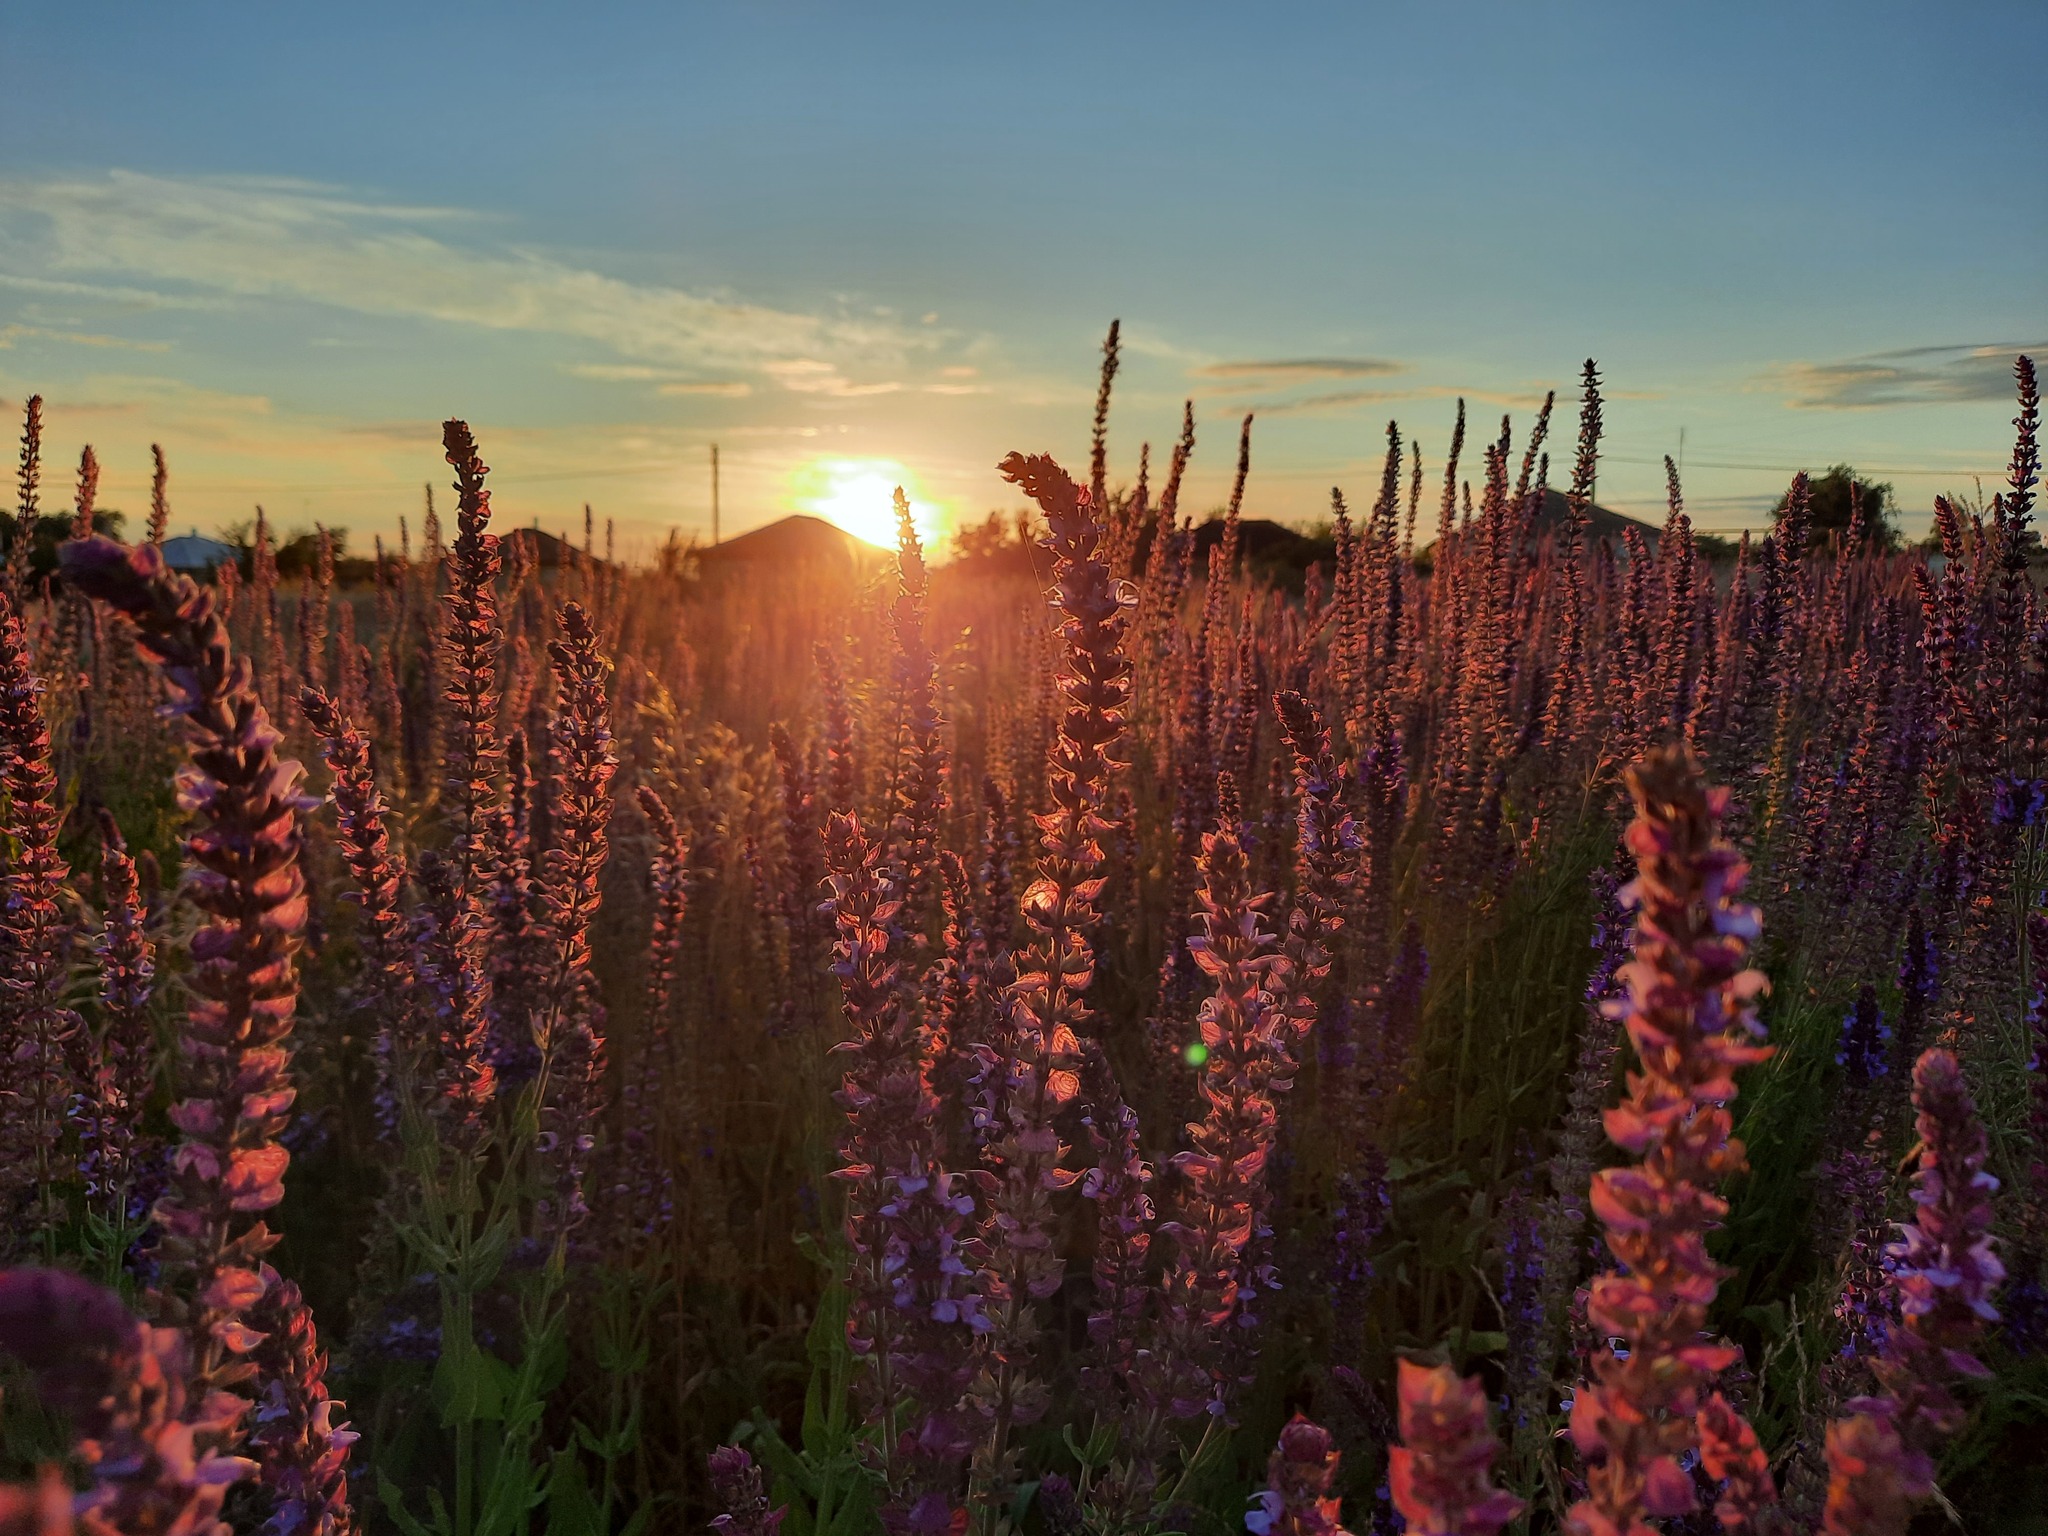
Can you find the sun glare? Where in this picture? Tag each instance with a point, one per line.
(859, 496)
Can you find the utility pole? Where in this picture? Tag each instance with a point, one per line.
(714, 493)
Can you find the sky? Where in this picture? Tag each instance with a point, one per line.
(855, 244)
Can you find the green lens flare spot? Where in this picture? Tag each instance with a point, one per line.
(1196, 1054)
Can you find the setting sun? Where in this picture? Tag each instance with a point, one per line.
(859, 496)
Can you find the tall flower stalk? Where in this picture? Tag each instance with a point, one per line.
(243, 876)
(1691, 1016)
(570, 1033)
(1046, 1002)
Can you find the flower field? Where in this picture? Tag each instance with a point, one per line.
(1523, 1029)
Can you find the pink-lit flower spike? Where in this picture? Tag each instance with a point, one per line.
(1220, 1229)
(1690, 1012)
(243, 875)
(1944, 1274)
(1299, 1475)
(1440, 1473)
(148, 1443)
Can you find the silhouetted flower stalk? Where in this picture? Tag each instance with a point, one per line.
(515, 965)
(581, 763)
(1440, 1473)
(36, 1027)
(122, 1054)
(1297, 1499)
(914, 1310)
(150, 1443)
(1881, 1457)
(1326, 852)
(85, 500)
(842, 770)
(1561, 1220)
(670, 875)
(159, 495)
(1690, 1014)
(448, 1071)
(917, 798)
(1046, 1001)
(470, 642)
(243, 876)
(300, 1451)
(377, 872)
(22, 541)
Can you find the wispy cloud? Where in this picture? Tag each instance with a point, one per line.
(1336, 401)
(277, 239)
(814, 376)
(1912, 376)
(730, 388)
(1302, 369)
(10, 334)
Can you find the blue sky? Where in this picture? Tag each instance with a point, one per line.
(286, 241)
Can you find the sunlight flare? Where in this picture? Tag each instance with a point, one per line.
(858, 495)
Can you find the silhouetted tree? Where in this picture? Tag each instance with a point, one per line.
(1840, 496)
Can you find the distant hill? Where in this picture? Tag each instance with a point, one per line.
(793, 542)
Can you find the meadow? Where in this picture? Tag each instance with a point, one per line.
(1532, 1030)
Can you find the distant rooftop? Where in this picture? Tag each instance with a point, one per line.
(195, 552)
(798, 540)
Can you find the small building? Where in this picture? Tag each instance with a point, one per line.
(196, 555)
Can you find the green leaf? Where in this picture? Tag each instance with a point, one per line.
(469, 1383)
(393, 1499)
(571, 1509)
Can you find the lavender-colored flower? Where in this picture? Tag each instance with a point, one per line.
(1297, 1500)
(737, 1484)
(1945, 1274)
(1881, 1458)
(1863, 1051)
(301, 1453)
